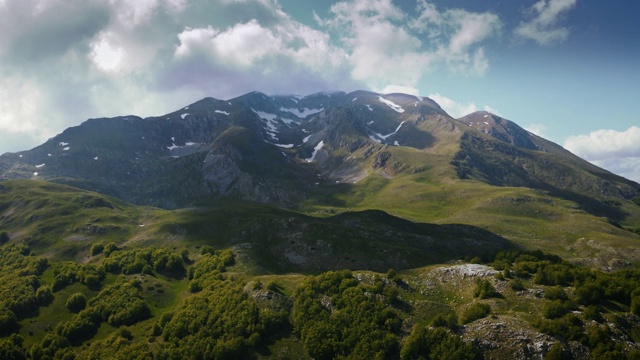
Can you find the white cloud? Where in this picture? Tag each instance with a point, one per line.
(400, 89)
(388, 47)
(452, 107)
(616, 151)
(106, 56)
(543, 27)
(239, 46)
(492, 110)
(538, 129)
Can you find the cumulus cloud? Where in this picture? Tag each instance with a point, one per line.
(538, 129)
(616, 151)
(452, 107)
(63, 61)
(543, 26)
(388, 47)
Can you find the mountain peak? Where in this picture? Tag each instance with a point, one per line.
(500, 128)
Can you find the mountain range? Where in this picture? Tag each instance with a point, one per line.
(280, 149)
(334, 152)
(223, 230)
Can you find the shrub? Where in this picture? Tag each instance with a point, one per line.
(635, 305)
(555, 293)
(484, 289)
(44, 294)
(96, 249)
(4, 237)
(436, 344)
(556, 352)
(475, 312)
(207, 250)
(109, 248)
(76, 302)
(174, 263)
(272, 286)
(516, 284)
(592, 312)
(8, 322)
(555, 309)
(450, 321)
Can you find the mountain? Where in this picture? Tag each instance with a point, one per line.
(271, 149)
(335, 152)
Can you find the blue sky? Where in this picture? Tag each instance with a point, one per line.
(564, 69)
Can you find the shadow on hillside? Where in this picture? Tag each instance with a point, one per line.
(371, 240)
(590, 205)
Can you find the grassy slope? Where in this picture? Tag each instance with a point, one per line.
(63, 223)
(532, 218)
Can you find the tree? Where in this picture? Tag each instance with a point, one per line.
(44, 294)
(76, 302)
(8, 321)
(109, 248)
(4, 237)
(96, 249)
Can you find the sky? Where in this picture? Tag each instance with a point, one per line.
(566, 70)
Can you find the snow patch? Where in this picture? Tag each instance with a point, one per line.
(369, 107)
(286, 146)
(39, 166)
(396, 143)
(287, 121)
(63, 149)
(173, 138)
(35, 173)
(49, 155)
(315, 151)
(62, 143)
(173, 146)
(370, 122)
(391, 104)
(354, 99)
(384, 137)
(20, 155)
(301, 113)
(270, 122)
(186, 108)
(189, 144)
(486, 116)
(306, 139)
(375, 139)
(184, 115)
(222, 112)
(95, 158)
(486, 123)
